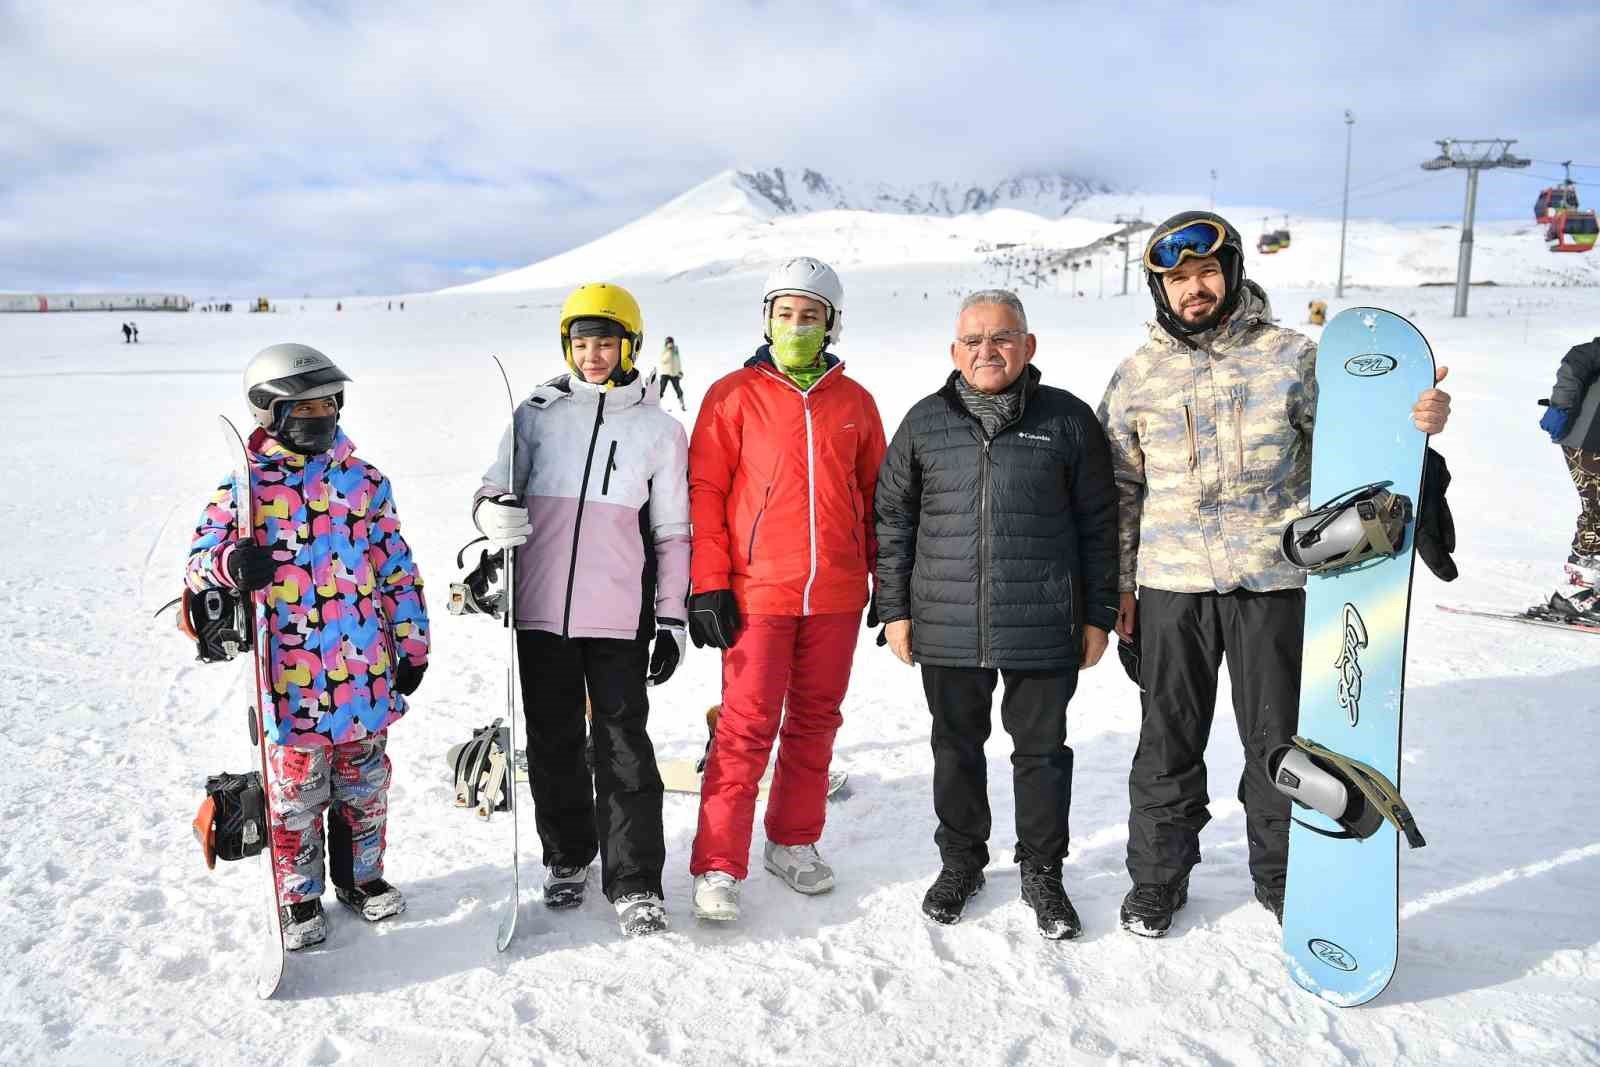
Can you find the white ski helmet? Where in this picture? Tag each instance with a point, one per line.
(287, 373)
(804, 276)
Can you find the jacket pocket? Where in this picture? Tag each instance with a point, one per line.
(611, 465)
(1189, 434)
(750, 550)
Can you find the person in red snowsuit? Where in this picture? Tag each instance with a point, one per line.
(783, 463)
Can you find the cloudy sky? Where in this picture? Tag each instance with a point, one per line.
(225, 149)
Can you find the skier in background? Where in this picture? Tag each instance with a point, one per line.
(598, 510)
(127, 333)
(669, 368)
(346, 636)
(1210, 424)
(1573, 422)
(134, 326)
(782, 466)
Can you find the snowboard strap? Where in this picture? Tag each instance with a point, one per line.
(1365, 523)
(1374, 786)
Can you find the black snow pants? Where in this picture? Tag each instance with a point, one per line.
(1033, 711)
(1182, 640)
(618, 813)
(1585, 470)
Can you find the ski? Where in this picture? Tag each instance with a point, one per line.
(1341, 898)
(685, 776)
(1535, 616)
(270, 963)
(508, 922)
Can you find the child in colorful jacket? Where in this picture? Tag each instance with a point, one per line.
(345, 632)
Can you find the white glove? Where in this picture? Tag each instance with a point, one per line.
(503, 520)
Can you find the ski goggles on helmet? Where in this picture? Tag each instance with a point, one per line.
(310, 385)
(1199, 239)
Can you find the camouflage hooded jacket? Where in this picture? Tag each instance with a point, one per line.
(1211, 447)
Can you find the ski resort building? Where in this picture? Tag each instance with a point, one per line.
(94, 302)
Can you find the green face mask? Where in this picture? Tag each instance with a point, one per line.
(796, 347)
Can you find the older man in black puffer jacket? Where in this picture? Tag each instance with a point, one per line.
(997, 557)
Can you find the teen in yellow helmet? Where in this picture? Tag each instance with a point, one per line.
(600, 309)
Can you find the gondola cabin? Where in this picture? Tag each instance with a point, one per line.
(1572, 231)
(1555, 199)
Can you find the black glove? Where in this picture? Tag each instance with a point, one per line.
(713, 619)
(251, 566)
(1436, 527)
(668, 650)
(872, 612)
(407, 676)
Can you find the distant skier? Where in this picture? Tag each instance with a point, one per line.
(346, 636)
(782, 466)
(997, 559)
(134, 326)
(669, 368)
(1573, 422)
(127, 333)
(1210, 424)
(598, 511)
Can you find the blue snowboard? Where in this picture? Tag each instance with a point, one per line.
(1341, 902)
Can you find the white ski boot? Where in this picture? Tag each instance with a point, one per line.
(304, 924)
(564, 886)
(640, 913)
(716, 897)
(800, 867)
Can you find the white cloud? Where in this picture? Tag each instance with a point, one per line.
(330, 147)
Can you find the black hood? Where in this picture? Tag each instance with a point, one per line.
(1230, 255)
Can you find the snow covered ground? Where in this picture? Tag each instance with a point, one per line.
(122, 948)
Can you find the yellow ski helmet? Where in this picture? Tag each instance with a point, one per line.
(602, 300)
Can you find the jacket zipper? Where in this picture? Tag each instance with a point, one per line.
(1238, 430)
(811, 481)
(750, 552)
(611, 465)
(983, 555)
(577, 523)
(1188, 429)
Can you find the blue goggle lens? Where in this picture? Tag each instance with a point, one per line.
(1201, 238)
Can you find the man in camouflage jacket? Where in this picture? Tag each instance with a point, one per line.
(1210, 425)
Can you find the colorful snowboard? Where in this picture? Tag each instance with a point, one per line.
(1341, 902)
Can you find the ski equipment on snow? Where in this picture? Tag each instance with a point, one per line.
(482, 770)
(508, 922)
(272, 946)
(1539, 615)
(1341, 897)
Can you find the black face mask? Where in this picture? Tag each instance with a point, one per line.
(309, 436)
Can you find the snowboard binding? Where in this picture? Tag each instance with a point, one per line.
(483, 770)
(480, 591)
(217, 620)
(1351, 529)
(232, 821)
(1356, 796)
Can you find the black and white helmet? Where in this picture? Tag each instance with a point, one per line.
(281, 375)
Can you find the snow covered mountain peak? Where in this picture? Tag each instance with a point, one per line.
(798, 190)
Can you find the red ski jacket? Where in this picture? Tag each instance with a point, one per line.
(780, 490)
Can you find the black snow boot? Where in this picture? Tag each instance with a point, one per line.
(564, 886)
(304, 924)
(1272, 899)
(1042, 891)
(1147, 909)
(949, 893)
(373, 901)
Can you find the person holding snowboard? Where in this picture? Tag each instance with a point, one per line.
(344, 629)
(1210, 424)
(782, 466)
(997, 560)
(669, 368)
(597, 510)
(1573, 422)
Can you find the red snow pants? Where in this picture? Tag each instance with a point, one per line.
(799, 660)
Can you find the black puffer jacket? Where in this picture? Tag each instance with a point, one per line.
(998, 551)
(1576, 392)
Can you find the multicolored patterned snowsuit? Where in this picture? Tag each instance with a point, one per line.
(345, 604)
